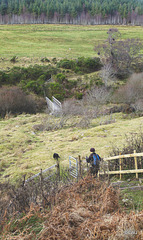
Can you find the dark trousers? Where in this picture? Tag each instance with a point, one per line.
(94, 170)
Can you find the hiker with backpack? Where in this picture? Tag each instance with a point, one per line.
(94, 160)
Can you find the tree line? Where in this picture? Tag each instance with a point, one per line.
(71, 7)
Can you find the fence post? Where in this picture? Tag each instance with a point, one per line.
(136, 164)
(58, 169)
(23, 182)
(41, 182)
(80, 166)
(108, 170)
(120, 164)
(41, 177)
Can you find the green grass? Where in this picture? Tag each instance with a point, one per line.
(133, 200)
(60, 41)
(25, 151)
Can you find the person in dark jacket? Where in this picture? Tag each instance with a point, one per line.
(94, 160)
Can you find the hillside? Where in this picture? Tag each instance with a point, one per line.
(72, 12)
(25, 149)
(102, 107)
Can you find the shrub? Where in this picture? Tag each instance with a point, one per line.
(98, 95)
(78, 95)
(132, 91)
(32, 73)
(57, 90)
(71, 107)
(44, 59)
(60, 77)
(95, 80)
(14, 100)
(13, 59)
(3, 78)
(54, 60)
(88, 64)
(133, 141)
(81, 64)
(70, 84)
(138, 105)
(67, 64)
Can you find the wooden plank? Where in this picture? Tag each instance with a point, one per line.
(120, 165)
(123, 171)
(124, 156)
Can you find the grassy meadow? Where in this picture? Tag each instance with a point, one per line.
(32, 42)
(25, 151)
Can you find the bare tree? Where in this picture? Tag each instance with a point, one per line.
(107, 74)
(98, 95)
(119, 55)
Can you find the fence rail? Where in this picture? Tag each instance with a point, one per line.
(54, 105)
(38, 174)
(121, 157)
(124, 156)
(75, 167)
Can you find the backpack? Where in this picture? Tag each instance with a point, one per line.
(96, 159)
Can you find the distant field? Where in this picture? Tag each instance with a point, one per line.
(48, 40)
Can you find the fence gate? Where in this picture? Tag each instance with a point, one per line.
(55, 106)
(73, 167)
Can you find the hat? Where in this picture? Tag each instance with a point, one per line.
(92, 149)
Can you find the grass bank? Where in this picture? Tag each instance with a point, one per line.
(25, 151)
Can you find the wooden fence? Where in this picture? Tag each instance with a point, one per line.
(121, 171)
(81, 165)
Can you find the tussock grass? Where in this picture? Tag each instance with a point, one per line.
(25, 151)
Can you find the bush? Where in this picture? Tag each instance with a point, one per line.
(98, 95)
(67, 64)
(70, 84)
(138, 105)
(60, 77)
(132, 91)
(3, 78)
(73, 107)
(54, 60)
(32, 73)
(56, 90)
(89, 64)
(44, 59)
(133, 141)
(15, 101)
(95, 80)
(78, 95)
(81, 64)
(13, 59)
